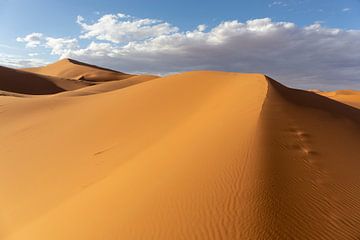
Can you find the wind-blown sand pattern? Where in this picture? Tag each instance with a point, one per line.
(197, 155)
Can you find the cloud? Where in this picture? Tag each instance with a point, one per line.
(278, 3)
(32, 40)
(33, 54)
(201, 27)
(15, 61)
(123, 28)
(308, 57)
(61, 46)
(346, 9)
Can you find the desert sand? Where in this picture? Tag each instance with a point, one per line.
(196, 155)
(18, 81)
(349, 97)
(72, 69)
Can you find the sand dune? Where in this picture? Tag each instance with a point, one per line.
(72, 69)
(197, 155)
(349, 97)
(18, 81)
(109, 86)
(65, 75)
(312, 157)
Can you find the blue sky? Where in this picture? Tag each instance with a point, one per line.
(57, 19)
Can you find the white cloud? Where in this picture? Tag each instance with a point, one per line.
(278, 3)
(33, 54)
(32, 40)
(15, 61)
(309, 57)
(201, 27)
(123, 28)
(346, 9)
(61, 46)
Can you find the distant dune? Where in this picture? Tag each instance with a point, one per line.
(65, 75)
(18, 81)
(196, 155)
(72, 69)
(110, 86)
(349, 97)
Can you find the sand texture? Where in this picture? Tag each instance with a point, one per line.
(196, 155)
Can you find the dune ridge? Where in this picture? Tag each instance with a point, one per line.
(72, 69)
(66, 75)
(109, 86)
(349, 97)
(18, 81)
(312, 159)
(197, 155)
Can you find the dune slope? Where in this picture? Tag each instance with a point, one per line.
(109, 86)
(349, 97)
(198, 155)
(18, 81)
(311, 188)
(72, 69)
(131, 163)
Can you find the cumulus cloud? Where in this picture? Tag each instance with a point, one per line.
(123, 28)
(61, 46)
(308, 57)
(32, 40)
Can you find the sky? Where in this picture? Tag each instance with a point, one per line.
(302, 43)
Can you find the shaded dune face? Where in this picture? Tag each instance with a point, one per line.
(348, 97)
(66, 75)
(198, 155)
(311, 155)
(27, 83)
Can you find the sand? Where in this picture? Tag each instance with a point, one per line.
(349, 97)
(196, 155)
(109, 86)
(72, 69)
(18, 81)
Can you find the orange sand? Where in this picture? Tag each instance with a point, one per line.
(71, 69)
(197, 155)
(349, 97)
(18, 81)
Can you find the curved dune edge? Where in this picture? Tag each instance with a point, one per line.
(72, 69)
(311, 184)
(14, 82)
(109, 86)
(349, 97)
(67, 77)
(199, 155)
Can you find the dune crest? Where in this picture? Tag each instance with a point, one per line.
(110, 86)
(197, 155)
(312, 159)
(72, 69)
(66, 75)
(349, 97)
(18, 81)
